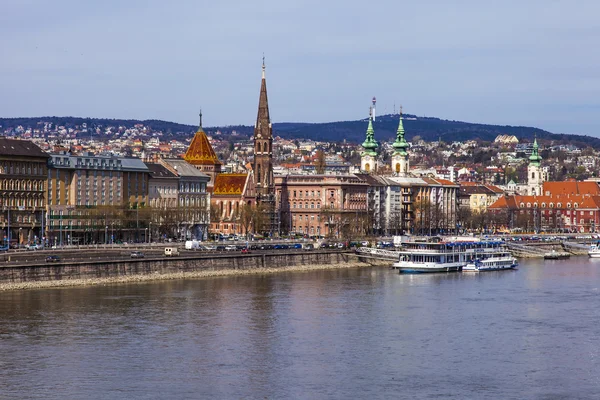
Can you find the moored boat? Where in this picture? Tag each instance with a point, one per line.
(594, 251)
(556, 255)
(495, 262)
(444, 255)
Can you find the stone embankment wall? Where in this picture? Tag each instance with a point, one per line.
(94, 272)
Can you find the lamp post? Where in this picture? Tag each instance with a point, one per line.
(150, 233)
(146, 235)
(106, 234)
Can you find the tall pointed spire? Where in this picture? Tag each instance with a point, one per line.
(400, 145)
(263, 121)
(263, 145)
(370, 144)
(200, 126)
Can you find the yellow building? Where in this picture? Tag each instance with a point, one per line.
(23, 177)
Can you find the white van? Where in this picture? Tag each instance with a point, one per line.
(171, 251)
(192, 245)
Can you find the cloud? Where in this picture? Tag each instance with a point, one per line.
(464, 60)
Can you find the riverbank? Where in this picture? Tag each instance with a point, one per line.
(157, 276)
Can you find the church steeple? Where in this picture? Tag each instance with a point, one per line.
(370, 145)
(200, 126)
(263, 144)
(400, 161)
(535, 158)
(400, 145)
(368, 158)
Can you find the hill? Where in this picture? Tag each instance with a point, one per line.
(428, 128)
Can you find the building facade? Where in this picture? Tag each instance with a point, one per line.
(96, 199)
(23, 180)
(322, 205)
(193, 200)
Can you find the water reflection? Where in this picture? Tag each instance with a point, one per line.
(356, 333)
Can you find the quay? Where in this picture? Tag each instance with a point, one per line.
(85, 269)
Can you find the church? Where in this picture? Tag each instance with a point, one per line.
(231, 193)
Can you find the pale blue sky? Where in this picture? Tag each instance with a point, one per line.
(511, 62)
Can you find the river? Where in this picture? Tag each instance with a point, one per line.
(365, 333)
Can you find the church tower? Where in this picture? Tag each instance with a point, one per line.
(535, 174)
(202, 155)
(400, 162)
(368, 158)
(263, 146)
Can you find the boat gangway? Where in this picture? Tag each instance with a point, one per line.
(379, 254)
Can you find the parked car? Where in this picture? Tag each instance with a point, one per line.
(3, 248)
(53, 258)
(220, 248)
(230, 247)
(136, 254)
(34, 246)
(245, 250)
(296, 246)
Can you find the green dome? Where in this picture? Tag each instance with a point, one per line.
(400, 145)
(370, 145)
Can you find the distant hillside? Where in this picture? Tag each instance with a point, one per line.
(428, 128)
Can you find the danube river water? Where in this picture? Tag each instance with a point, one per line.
(365, 333)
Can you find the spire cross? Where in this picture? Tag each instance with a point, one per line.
(263, 67)
(200, 117)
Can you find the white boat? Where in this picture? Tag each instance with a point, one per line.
(438, 255)
(500, 260)
(594, 251)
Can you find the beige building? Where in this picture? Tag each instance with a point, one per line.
(23, 178)
(96, 199)
(321, 205)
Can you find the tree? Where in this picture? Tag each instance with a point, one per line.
(320, 163)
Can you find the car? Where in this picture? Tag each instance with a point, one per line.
(220, 248)
(245, 250)
(53, 258)
(230, 247)
(297, 246)
(136, 254)
(3, 248)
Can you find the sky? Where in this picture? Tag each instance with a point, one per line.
(532, 63)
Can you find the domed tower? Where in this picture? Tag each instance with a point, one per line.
(400, 162)
(535, 175)
(368, 158)
(202, 155)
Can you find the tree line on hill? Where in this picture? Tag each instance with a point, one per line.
(427, 128)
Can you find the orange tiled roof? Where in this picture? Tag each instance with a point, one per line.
(571, 187)
(494, 188)
(583, 201)
(200, 151)
(446, 182)
(229, 184)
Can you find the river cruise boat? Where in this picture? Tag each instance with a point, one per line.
(492, 261)
(594, 251)
(444, 254)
